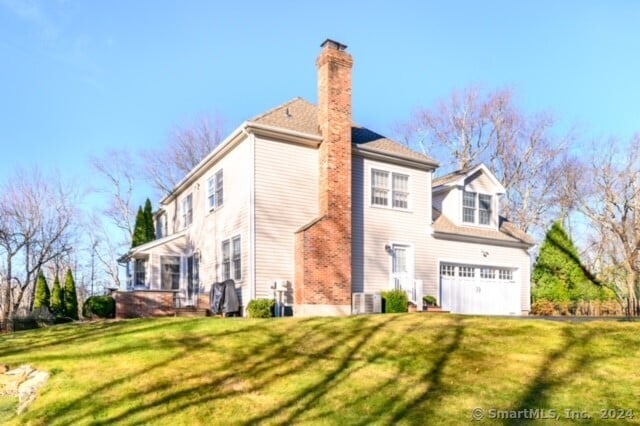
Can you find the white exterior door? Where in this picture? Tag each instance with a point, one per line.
(402, 268)
(469, 289)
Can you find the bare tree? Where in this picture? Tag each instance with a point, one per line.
(38, 217)
(118, 168)
(186, 147)
(609, 196)
(470, 127)
(105, 252)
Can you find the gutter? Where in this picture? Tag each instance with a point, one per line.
(394, 158)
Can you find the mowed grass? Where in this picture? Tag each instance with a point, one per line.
(361, 370)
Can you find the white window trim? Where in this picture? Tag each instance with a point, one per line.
(390, 190)
(214, 179)
(230, 240)
(183, 213)
(476, 210)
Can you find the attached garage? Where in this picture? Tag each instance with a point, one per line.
(481, 290)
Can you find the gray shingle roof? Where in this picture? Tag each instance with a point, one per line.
(452, 177)
(301, 115)
(506, 232)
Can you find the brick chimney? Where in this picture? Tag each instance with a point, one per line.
(323, 247)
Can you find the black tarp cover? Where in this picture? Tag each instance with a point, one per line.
(223, 297)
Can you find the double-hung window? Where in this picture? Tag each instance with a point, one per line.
(484, 209)
(469, 207)
(187, 210)
(232, 259)
(226, 260)
(400, 193)
(379, 188)
(476, 208)
(389, 189)
(236, 259)
(215, 190)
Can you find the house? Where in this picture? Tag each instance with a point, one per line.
(302, 205)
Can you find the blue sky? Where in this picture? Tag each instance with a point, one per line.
(78, 77)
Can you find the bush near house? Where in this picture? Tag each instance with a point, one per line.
(99, 307)
(261, 308)
(395, 301)
(430, 301)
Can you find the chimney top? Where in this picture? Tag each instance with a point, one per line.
(332, 44)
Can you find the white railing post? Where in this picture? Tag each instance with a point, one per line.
(418, 291)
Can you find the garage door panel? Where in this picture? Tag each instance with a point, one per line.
(469, 289)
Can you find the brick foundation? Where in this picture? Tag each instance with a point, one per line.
(149, 303)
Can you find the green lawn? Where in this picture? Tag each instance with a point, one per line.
(381, 369)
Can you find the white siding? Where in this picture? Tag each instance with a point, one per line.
(286, 198)
(210, 228)
(451, 202)
(472, 253)
(479, 182)
(375, 227)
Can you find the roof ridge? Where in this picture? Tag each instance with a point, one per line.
(274, 109)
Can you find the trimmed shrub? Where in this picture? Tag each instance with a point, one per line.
(57, 298)
(261, 308)
(43, 295)
(430, 300)
(99, 307)
(70, 297)
(395, 301)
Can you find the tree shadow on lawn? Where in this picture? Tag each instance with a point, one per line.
(238, 362)
(538, 394)
(264, 363)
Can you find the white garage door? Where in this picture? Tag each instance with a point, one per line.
(470, 289)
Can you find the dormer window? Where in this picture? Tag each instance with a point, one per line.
(469, 207)
(476, 208)
(484, 209)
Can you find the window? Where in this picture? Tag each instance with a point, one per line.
(400, 193)
(187, 210)
(232, 259)
(484, 209)
(487, 273)
(505, 274)
(139, 278)
(226, 260)
(237, 259)
(383, 183)
(215, 190)
(467, 271)
(468, 207)
(471, 200)
(170, 272)
(379, 188)
(447, 270)
(193, 277)
(160, 230)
